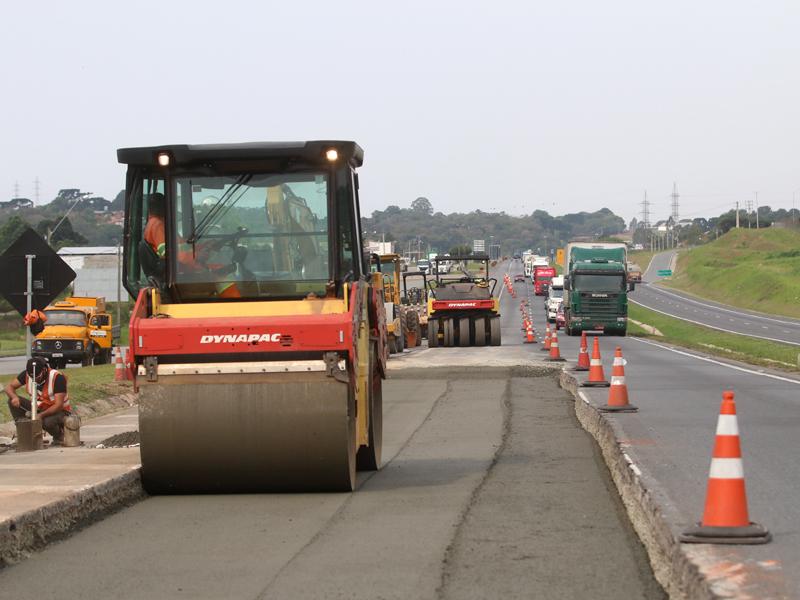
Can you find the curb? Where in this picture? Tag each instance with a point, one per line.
(31, 531)
(675, 571)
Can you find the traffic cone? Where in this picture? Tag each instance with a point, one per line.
(618, 392)
(583, 354)
(118, 374)
(555, 353)
(529, 338)
(596, 376)
(546, 346)
(725, 519)
(127, 371)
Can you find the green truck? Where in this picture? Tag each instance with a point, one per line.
(596, 288)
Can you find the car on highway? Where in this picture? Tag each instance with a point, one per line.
(519, 277)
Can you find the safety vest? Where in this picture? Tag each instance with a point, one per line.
(46, 395)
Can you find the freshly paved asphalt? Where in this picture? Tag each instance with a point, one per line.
(711, 314)
(490, 489)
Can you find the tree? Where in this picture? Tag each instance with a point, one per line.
(460, 250)
(63, 236)
(11, 230)
(422, 205)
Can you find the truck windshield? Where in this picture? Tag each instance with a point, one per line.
(251, 235)
(613, 282)
(65, 317)
(554, 293)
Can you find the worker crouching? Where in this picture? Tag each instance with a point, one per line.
(49, 386)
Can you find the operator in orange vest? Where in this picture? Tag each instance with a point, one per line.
(50, 389)
(155, 236)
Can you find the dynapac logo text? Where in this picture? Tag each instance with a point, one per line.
(462, 304)
(245, 338)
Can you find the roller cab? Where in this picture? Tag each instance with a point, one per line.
(258, 338)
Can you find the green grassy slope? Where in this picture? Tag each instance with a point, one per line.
(748, 268)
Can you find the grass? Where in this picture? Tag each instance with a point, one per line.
(641, 258)
(747, 268)
(85, 385)
(727, 345)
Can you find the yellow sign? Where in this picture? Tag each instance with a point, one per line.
(560, 257)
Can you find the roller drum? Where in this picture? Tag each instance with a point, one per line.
(247, 432)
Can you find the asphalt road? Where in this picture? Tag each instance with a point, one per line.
(490, 489)
(708, 313)
(671, 438)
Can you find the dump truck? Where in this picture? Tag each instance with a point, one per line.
(403, 324)
(258, 338)
(634, 273)
(596, 288)
(462, 308)
(78, 330)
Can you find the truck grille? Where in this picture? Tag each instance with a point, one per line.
(58, 345)
(592, 304)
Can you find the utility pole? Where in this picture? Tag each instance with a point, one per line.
(749, 207)
(737, 214)
(756, 193)
(675, 196)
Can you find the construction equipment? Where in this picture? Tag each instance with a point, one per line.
(416, 300)
(259, 341)
(462, 309)
(77, 330)
(403, 323)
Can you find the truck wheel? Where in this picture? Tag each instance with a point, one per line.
(433, 333)
(494, 327)
(463, 331)
(449, 333)
(480, 331)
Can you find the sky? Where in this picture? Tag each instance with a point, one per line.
(497, 106)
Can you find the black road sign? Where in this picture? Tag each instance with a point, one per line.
(51, 275)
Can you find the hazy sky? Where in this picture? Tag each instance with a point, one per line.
(494, 105)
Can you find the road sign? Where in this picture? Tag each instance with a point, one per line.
(478, 246)
(664, 272)
(50, 274)
(560, 257)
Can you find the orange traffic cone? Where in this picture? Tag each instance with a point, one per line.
(725, 519)
(127, 369)
(118, 374)
(529, 337)
(547, 341)
(583, 354)
(618, 392)
(555, 353)
(596, 376)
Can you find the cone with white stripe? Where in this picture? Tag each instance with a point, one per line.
(618, 391)
(119, 374)
(555, 353)
(546, 345)
(726, 519)
(583, 354)
(529, 337)
(597, 378)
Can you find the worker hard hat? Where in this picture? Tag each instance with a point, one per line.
(37, 364)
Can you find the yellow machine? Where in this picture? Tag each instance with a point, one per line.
(78, 330)
(258, 340)
(403, 323)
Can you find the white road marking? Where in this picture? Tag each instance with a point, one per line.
(717, 362)
(758, 337)
(751, 315)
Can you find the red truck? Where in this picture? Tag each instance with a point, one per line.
(542, 276)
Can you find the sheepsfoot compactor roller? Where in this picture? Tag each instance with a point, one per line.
(258, 335)
(462, 309)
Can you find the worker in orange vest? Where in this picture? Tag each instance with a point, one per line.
(154, 235)
(49, 387)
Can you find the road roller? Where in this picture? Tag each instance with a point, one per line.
(258, 339)
(462, 307)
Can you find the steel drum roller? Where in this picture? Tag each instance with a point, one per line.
(247, 432)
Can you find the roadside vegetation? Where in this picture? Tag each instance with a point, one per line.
(641, 258)
(726, 345)
(747, 268)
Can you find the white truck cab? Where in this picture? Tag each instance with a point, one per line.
(555, 297)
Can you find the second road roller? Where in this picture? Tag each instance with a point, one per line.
(258, 339)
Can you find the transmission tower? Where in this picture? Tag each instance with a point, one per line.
(16, 189)
(645, 212)
(36, 189)
(675, 196)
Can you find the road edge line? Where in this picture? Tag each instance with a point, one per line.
(673, 569)
(31, 531)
